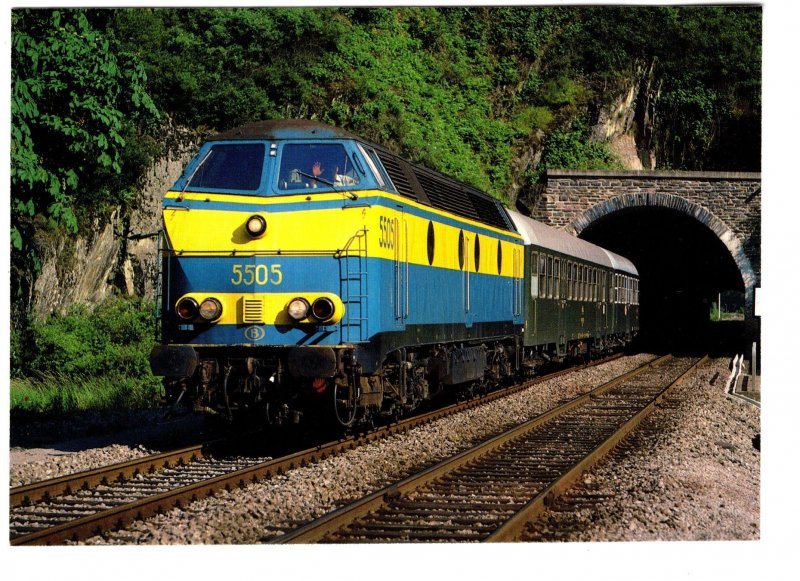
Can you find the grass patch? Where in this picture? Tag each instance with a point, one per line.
(91, 359)
(53, 395)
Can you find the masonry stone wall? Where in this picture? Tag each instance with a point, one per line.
(729, 204)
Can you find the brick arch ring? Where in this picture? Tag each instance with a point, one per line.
(679, 204)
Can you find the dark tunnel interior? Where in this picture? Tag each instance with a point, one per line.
(683, 267)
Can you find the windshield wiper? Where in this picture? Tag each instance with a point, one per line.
(351, 195)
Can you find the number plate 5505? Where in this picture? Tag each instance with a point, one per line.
(260, 274)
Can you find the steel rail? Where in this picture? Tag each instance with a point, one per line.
(71, 483)
(124, 515)
(335, 520)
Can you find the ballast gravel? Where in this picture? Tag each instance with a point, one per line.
(697, 479)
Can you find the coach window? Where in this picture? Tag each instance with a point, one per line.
(534, 275)
(575, 282)
(602, 286)
(542, 276)
(324, 166)
(613, 288)
(588, 283)
(583, 283)
(549, 277)
(557, 275)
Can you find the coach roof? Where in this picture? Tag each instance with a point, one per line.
(550, 238)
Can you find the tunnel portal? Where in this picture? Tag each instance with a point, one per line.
(684, 266)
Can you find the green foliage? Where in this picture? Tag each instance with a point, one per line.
(112, 338)
(73, 100)
(78, 108)
(707, 65)
(571, 149)
(222, 68)
(90, 358)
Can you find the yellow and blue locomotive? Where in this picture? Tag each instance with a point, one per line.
(304, 268)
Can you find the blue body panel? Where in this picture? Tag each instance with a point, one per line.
(436, 296)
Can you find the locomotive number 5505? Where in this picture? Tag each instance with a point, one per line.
(260, 274)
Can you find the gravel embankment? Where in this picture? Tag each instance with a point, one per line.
(691, 473)
(259, 511)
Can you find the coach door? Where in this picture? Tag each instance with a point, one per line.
(560, 294)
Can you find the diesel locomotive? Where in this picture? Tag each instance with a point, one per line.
(305, 270)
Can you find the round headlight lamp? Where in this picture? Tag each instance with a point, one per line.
(298, 309)
(323, 309)
(186, 309)
(210, 309)
(256, 226)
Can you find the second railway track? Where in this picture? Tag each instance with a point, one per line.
(490, 492)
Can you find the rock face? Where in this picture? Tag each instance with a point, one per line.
(118, 253)
(627, 121)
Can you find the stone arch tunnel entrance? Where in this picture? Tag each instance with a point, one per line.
(683, 266)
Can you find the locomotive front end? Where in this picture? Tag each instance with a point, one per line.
(263, 273)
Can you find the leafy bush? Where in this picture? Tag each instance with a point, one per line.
(88, 357)
(571, 149)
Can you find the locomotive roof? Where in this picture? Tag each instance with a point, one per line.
(411, 180)
(539, 234)
(284, 129)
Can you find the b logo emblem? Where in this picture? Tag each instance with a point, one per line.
(254, 333)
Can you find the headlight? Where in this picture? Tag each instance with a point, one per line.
(323, 309)
(186, 309)
(256, 226)
(211, 309)
(298, 309)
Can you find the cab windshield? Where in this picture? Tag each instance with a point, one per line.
(324, 166)
(230, 167)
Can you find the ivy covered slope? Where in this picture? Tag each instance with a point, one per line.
(493, 96)
(466, 90)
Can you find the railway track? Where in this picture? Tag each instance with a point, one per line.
(75, 507)
(490, 492)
